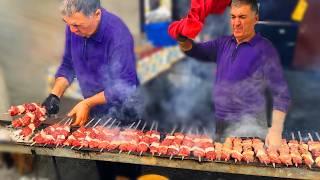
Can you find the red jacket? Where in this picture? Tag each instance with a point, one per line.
(192, 24)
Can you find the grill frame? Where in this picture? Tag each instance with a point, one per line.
(255, 169)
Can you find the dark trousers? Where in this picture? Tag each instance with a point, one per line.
(109, 170)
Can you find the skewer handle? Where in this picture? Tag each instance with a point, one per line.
(318, 137)
(310, 136)
(300, 137)
(292, 136)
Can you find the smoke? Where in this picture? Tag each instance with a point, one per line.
(248, 126)
(182, 97)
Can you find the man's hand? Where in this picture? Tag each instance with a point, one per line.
(51, 103)
(80, 112)
(273, 138)
(185, 43)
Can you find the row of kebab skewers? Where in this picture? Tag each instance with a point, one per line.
(31, 115)
(111, 137)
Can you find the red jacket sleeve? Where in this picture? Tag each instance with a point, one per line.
(192, 24)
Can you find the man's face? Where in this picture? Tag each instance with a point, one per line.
(243, 20)
(83, 25)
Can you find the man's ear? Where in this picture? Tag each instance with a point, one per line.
(97, 14)
(257, 18)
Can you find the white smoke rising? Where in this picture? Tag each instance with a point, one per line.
(248, 126)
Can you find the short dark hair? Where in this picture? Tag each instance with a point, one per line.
(252, 3)
(87, 7)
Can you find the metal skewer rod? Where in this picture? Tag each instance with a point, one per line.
(173, 129)
(317, 135)
(156, 128)
(300, 137)
(190, 130)
(118, 125)
(205, 131)
(153, 122)
(68, 121)
(112, 124)
(292, 136)
(310, 136)
(144, 126)
(197, 131)
(89, 122)
(137, 124)
(63, 119)
(183, 128)
(97, 122)
(131, 125)
(107, 122)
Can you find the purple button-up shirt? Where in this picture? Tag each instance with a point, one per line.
(103, 62)
(244, 72)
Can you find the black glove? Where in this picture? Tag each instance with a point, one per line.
(182, 38)
(51, 103)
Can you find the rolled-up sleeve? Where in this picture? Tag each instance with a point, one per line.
(122, 76)
(276, 81)
(66, 69)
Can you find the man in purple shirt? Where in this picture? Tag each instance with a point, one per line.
(247, 66)
(99, 52)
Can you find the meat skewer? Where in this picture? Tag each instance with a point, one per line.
(88, 133)
(260, 151)
(144, 141)
(317, 161)
(110, 134)
(154, 139)
(237, 149)
(136, 139)
(186, 146)
(106, 134)
(54, 134)
(202, 146)
(314, 148)
(284, 151)
(117, 141)
(79, 133)
(174, 148)
(164, 145)
(95, 135)
(305, 154)
(294, 151)
(248, 153)
(59, 122)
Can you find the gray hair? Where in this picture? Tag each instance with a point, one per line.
(87, 7)
(252, 3)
